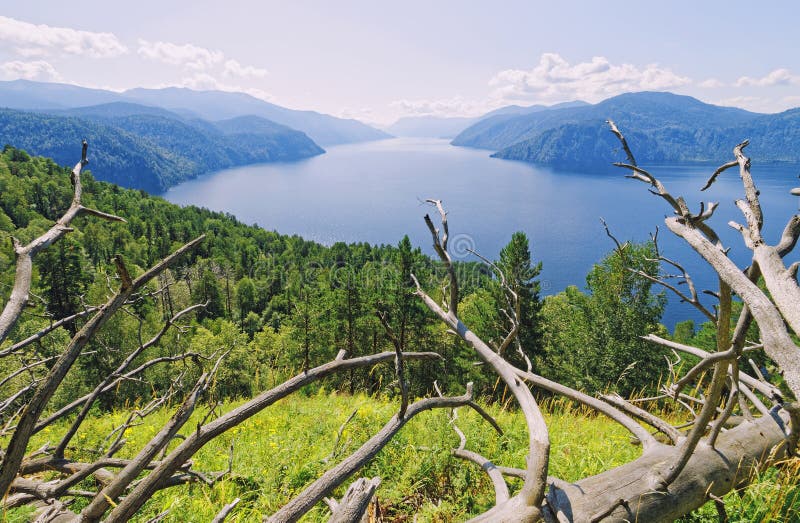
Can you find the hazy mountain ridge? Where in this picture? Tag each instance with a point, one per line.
(219, 105)
(662, 127)
(431, 126)
(115, 156)
(590, 144)
(210, 105)
(507, 125)
(148, 148)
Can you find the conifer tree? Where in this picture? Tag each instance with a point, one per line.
(521, 275)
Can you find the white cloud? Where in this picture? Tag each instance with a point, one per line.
(206, 65)
(741, 101)
(31, 52)
(791, 101)
(234, 68)
(200, 82)
(555, 80)
(776, 77)
(711, 83)
(455, 106)
(761, 104)
(362, 113)
(37, 40)
(206, 82)
(186, 55)
(35, 70)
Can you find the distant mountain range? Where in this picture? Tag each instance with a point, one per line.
(152, 139)
(661, 127)
(209, 105)
(149, 148)
(428, 126)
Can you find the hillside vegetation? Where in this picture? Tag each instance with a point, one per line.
(665, 128)
(276, 306)
(210, 105)
(291, 303)
(146, 148)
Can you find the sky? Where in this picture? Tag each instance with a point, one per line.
(378, 61)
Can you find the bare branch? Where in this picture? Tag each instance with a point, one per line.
(398, 363)
(45, 331)
(620, 247)
(45, 391)
(733, 395)
(623, 141)
(724, 167)
(501, 493)
(642, 415)
(25, 254)
(639, 432)
(766, 389)
(205, 433)
(339, 436)
(122, 367)
(532, 493)
(355, 502)
(440, 246)
(105, 498)
(331, 479)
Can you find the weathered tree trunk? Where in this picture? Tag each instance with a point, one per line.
(356, 501)
(667, 481)
(627, 492)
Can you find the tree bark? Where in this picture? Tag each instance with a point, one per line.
(627, 493)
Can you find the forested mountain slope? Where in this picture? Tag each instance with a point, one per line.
(210, 105)
(149, 148)
(302, 300)
(668, 128)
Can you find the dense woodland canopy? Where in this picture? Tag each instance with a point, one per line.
(668, 128)
(280, 304)
(153, 149)
(249, 316)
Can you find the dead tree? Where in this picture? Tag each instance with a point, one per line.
(120, 494)
(668, 480)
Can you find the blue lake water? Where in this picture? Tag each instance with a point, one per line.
(374, 192)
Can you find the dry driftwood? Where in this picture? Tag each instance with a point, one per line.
(668, 480)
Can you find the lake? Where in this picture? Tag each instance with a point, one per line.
(374, 192)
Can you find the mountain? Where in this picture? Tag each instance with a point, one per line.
(429, 126)
(504, 126)
(661, 127)
(640, 111)
(27, 94)
(517, 110)
(115, 155)
(216, 145)
(116, 109)
(151, 149)
(210, 105)
(218, 105)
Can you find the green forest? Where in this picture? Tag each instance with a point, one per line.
(254, 308)
(280, 303)
(153, 149)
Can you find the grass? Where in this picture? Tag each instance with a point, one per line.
(772, 497)
(278, 452)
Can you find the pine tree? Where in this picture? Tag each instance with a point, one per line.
(520, 273)
(207, 290)
(65, 278)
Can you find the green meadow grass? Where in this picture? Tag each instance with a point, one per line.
(280, 451)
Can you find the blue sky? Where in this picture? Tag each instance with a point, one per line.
(378, 61)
